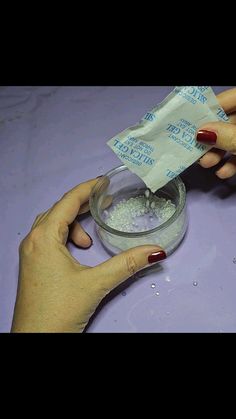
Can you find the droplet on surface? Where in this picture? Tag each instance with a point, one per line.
(157, 293)
(153, 286)
(195, 283)
(234, 260)
(123, 293)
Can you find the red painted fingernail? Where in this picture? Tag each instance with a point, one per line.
(157, 256)
(206, 137)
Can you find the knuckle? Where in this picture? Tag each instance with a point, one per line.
(232, 140)
(233, 146)
(38, 217)
(131, 264)
(32, 241)
(22, 245)
(66, 195)
(62, 229)
(36, 234)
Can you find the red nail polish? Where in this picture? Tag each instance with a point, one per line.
(157, 256)
(206, 137)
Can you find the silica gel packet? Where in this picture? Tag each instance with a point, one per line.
(162, 145)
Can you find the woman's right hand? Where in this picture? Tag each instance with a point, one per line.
(223, 136)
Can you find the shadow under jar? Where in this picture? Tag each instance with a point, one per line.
(116, 200)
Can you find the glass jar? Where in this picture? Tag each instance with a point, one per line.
(121, 184)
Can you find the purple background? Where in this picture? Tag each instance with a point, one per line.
(53, 138)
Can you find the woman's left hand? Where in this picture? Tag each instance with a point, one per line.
(56, 293)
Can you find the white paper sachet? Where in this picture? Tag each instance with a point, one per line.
(162, 144)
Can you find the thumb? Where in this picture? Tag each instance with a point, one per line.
(111, 273)
(218, 134)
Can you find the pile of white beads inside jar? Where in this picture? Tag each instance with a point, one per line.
(140, 213)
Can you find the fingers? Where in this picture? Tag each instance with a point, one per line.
(79, 236)
(68, 207)
(228, 170)
(106, 202)
(39, 219)
(62, 215)
(84, 208)
(218, 134)
(227, 100)
(120, 267)
(211, 158)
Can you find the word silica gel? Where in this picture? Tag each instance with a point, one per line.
(162, 145)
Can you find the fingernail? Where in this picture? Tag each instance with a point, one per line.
(206, 137)
(157, 256)
(90, 239)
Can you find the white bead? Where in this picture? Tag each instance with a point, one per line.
(147, 193)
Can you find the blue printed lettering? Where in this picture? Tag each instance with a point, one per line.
(222, 114)
(149, 116)
(200, 147)
(170, 174)
(173, 128)
(195, 92)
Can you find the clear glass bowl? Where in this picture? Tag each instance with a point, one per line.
(119, 184)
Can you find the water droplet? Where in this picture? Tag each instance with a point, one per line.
(157, 293)
(168, 312)
(153, 286)
(234, 260)
(195, 283)
(123, 293)
(18, 234)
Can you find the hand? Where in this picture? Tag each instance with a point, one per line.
(55, 292)
(223, 136)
